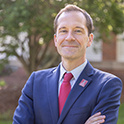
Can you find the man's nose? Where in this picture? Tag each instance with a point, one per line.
(70, 36)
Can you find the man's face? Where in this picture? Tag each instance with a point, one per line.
(71, 38)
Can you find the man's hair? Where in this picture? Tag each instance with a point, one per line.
(69, 8)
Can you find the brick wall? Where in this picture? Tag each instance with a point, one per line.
(109, 48)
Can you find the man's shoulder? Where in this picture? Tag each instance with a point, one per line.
(104, 74)
(99, 73)
(45, 71)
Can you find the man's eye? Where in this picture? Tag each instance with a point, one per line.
(63, 31)
(78, 31)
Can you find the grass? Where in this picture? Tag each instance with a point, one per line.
(121, 114)
(120, 118)
(6, 118)
(5, 122)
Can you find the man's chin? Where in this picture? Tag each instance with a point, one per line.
(68, 57)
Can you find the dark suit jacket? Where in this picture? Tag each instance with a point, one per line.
(38, 103)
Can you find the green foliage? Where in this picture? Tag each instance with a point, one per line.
(2, 63)
(2, 83)
(32, 18)
(26, 16)
(108, 16)
(121, 114)
(5, 122)
(6, 115)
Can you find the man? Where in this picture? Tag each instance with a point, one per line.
(95, 95)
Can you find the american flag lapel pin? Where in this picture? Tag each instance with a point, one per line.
(83, 82)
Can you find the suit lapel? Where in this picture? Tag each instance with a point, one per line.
(52, 92)
(84, 79)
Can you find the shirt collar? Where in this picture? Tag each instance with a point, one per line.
(76, 72)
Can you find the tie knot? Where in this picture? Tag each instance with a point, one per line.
(68, 77)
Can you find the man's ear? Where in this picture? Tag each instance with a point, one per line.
(55, 40)
(90, 40)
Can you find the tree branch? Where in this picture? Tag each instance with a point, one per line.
(43, 54)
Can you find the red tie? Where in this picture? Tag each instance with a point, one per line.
(64, 90)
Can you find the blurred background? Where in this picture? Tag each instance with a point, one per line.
(26, 43)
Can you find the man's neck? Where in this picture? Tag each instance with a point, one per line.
(69, 65)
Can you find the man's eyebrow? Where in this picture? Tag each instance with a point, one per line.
(62, 28)
(79, 27)
(75, 27)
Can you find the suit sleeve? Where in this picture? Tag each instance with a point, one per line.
(108, 100)
(24, 113)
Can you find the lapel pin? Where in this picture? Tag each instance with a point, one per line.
(83, 82)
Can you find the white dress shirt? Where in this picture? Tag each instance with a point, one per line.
(76, 73)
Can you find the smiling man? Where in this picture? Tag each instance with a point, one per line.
(72, 39)
(74, 92)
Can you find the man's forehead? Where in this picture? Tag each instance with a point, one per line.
(75, 18)
(76, 15)
(67, 13)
